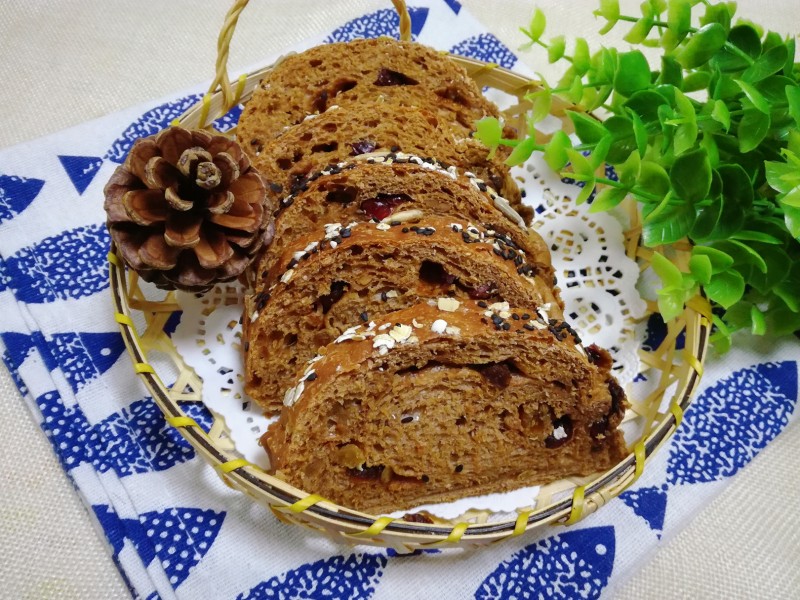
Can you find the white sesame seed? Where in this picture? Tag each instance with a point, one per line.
(439, 326)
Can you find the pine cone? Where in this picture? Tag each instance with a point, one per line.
(187, 210)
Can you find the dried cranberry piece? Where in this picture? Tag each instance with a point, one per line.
(433, 272)
(363, 147)
(564, 423)
(599, 428)
(482, 291)
(338, 289)
(417, 518)
(389, 77)
(598, 356)
(499, 375)
(617, 398)
(383, 205)
(373, 472)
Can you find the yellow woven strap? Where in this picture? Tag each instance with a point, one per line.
(142, 367)
(577, 505)
(405, 20)
(639, 455)
(691, 359)
(123, 319)
(240, 88)
(377, 526)
(114, 259)
(204, 111)
(701, 305)
(677, 412)
(221, 78)
(302, 504)
(232, 465)
(522, 523)
(182, 422)
(455, 535)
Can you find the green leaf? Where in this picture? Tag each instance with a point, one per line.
(759, 102)
(575, 92)
(759, 322)
(690, 176)
(767, 64)
(704, 44)
(756, 236)
(782, 321)
(792, 198)
(793, 96)
(580, 165)
(555, 153)
(609, 10)
(670, 303)
(489, 131)
(536, 27)
(653, 178)
(721, 114)
(721, 12)
(695, 81)
(778, 264)
(542, 101)
(686, 133)
(742, 254)
(521, 152)
(672, 224)
(556, 48)
(736, 186)
(628, 171)
(720, 261)
(679, 16)
(580, 58)
(607, 199)
(788, 68)
(587, 190)
(752, 129)
(639, 31)
(725, 288)
(633, 73)
(671, 72)
(600, 152)
(700, 267)
(792, 218)
(640, 135)
(645, 103)
(789, 289)
(666, 270)
(781, 176)
(746, 39)
(588, 130)
(623, 139)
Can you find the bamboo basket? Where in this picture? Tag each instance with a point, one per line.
(679, 372)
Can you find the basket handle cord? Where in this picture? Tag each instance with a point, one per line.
(230, 97)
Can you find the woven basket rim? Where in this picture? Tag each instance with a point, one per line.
(360, 527)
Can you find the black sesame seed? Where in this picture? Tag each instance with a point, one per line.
(482, 186)
(292, 264)
(364, 316)
(276, 187)
(497, 319)
(425, 479)
(482, 304)
(407, 419)
(311, 377)
(459, 468)
(345, 233)
(506, 326)
(405, 230)
(529, 327)
(515, 316)
(526, 317)
(288, 202)
(384, 297)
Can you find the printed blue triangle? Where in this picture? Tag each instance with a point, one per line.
(454, 5)
(354, 576)
(650, 503)
(16, 193)
(381, 22)
(181, 537)
(732, 421)
(576, 564)
(81, 170)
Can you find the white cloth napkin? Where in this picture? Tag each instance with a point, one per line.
(175, 530)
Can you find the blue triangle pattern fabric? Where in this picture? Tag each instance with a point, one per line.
(150, 123)
(454, 5)
(487, 48)
(656, 332)
(81, 170)
(650, 503)
(732, 421)
(571, 565)
(5, 279)
(381, 22)
(13, 369)
(85, 356)
(134, 440)
(16, 194)
(351, 577)
(181, 537)
(69, 265)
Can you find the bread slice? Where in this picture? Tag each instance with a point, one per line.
(345, 275)
(377, 186)
(372, 70)
(426, 405)
(339, 134)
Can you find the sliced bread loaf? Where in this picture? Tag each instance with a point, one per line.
(378, 186)
(330, 280)
(427, 405)
(338, 135)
